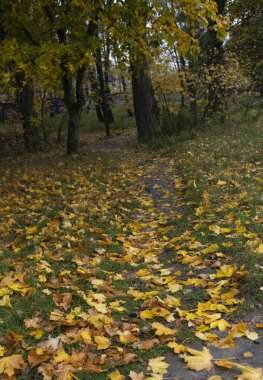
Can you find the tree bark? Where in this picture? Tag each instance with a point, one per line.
(73, 129)
(31, 133)
(107, 113)
(214, 61)
(145, 106)
(74, 107)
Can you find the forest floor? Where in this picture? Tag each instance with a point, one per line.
(128, 262)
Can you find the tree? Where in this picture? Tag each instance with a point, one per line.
(246, 38)
(20, 62)
(74, 34)
(141, 28)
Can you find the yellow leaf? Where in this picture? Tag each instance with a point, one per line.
(61, 356)
(178, 348)
(136, 376)
(225, 363)
(116, 375)
(2, 350)
(42, 278)
(10, 365)
(249, 373)
(85, 335)
(211, 249)
(127, 337)
(248, 354)
(158, 365)
(161, 329)
(216, 229)
(37, 334)
(252, 335)
(101, 308)
(20, 288)
(222, 324)
(102, 342)
(225, 271)
(5, 301)
(260, 248)
(221, 183)
(174, 288)
(199, 360)
(172, 302)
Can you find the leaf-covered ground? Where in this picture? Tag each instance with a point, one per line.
(122, 265)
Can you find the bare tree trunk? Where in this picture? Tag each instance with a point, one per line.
(215, 60)
(145, 106)
(73, 129)
(74, 106)
(31, 133)
(107, 113)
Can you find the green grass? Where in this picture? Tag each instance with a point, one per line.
(230, 153)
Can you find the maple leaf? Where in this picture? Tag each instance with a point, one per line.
(158, 365)
(2, 350)
(249, 373)
(178, 348)
(34, 322)
(61, 356)
(10, 365)
(85, 335)
(136, 376)
(127, 337)
(102, 342)
(252, 335)
(37, 334)
(5, 301)
(222, 324)
(116, 375)
(199, 360)
(146, 344)
(225, 271)
(225, 363)
(161, 329)
(37, 356)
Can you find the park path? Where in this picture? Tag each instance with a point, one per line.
(171, 258)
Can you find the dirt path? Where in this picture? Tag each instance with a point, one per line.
(194, 296)
(170, 203)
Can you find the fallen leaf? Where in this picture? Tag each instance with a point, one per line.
(102, 342)
(249, 373)
(161, 329)
(136, 376)
(248, 354)
(199, 360)
(10, 365)
(178, 348)
(158, 365)
(37, 356)
(116, 375)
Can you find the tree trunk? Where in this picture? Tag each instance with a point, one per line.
(99, 113)
(31, 133)
(103, 98)
(73, 129)
(145, 105)
(214, 61)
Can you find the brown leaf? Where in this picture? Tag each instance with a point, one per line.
(37, 356)
(33, 323)
(146, 344)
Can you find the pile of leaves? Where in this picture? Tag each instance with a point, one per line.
(99, 262)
